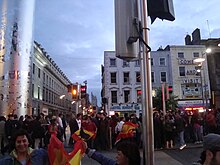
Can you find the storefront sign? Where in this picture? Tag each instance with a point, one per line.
(126, 107)
(191, 80)
(192, 103)
(185, 62)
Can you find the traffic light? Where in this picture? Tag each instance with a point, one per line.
(74, 91)
(170, 89)
(162, 9)
(69, 88)
(83, 91)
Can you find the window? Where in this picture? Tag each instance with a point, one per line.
(182, 71)
(32, 91)
(180, 55)
(138, 77)
(46, 98)
(113, 78)
(125, 63)
(43, 94)
(47, 79)
(112, 62)
(137, 63)
(162, 62)
(43, 77)
(163, 76)
(114, 96)
(126, 77)
(33, 68)
(49, 82)
(152, 77)
(138, 96)
(38, 92)
(1, 97)
(38, 72)
(196, 54)
(152, 61)
(126, 96)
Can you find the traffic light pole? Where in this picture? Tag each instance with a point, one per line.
(147, 106)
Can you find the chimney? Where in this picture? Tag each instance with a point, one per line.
(196, 37)
(188, 40)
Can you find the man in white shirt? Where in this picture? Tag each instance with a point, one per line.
(60, 127)
(119, 125)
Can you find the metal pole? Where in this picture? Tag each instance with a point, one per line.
(163, 98)
(203, 103)
(205, 85)
(16, 46)
(147, 93)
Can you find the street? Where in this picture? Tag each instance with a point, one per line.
(186, 156)
(162, 157)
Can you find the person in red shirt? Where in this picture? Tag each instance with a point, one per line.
(90, 126)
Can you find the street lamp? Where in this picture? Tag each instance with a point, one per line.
(199, 61)
(198, 70)
(62, 96)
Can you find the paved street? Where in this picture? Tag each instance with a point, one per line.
(186, 156)
(162, 157)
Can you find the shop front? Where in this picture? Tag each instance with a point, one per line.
(126, 109)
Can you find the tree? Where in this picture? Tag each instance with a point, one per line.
(171, 103)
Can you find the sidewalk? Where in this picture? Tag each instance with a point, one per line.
(162, 158)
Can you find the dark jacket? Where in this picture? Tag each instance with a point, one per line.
(100, 158)
(73, 126)
(37, 130)
(11, 126)
(180, 124)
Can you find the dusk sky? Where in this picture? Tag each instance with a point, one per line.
(75, 33)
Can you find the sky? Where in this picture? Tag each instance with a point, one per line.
(75, 33)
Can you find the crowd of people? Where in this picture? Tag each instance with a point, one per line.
(32, 135)
(179, 128)
(170, 130)
(41, 127)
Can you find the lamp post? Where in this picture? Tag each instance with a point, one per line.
(199, 69)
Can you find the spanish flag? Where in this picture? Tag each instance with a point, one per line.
(128, 131)
(83, 134)
(58, 155)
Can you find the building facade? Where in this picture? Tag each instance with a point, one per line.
(213, 44)
(121, 81)
(190, 79)
(49, 83)
(174, 66)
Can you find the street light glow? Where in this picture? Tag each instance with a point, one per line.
(199, 60)
(209, 50)
(62, 96)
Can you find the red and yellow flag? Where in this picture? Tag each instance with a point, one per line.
(83, 134)
(128, 130)
(58, 155)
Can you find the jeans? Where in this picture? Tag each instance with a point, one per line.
(181, 138)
